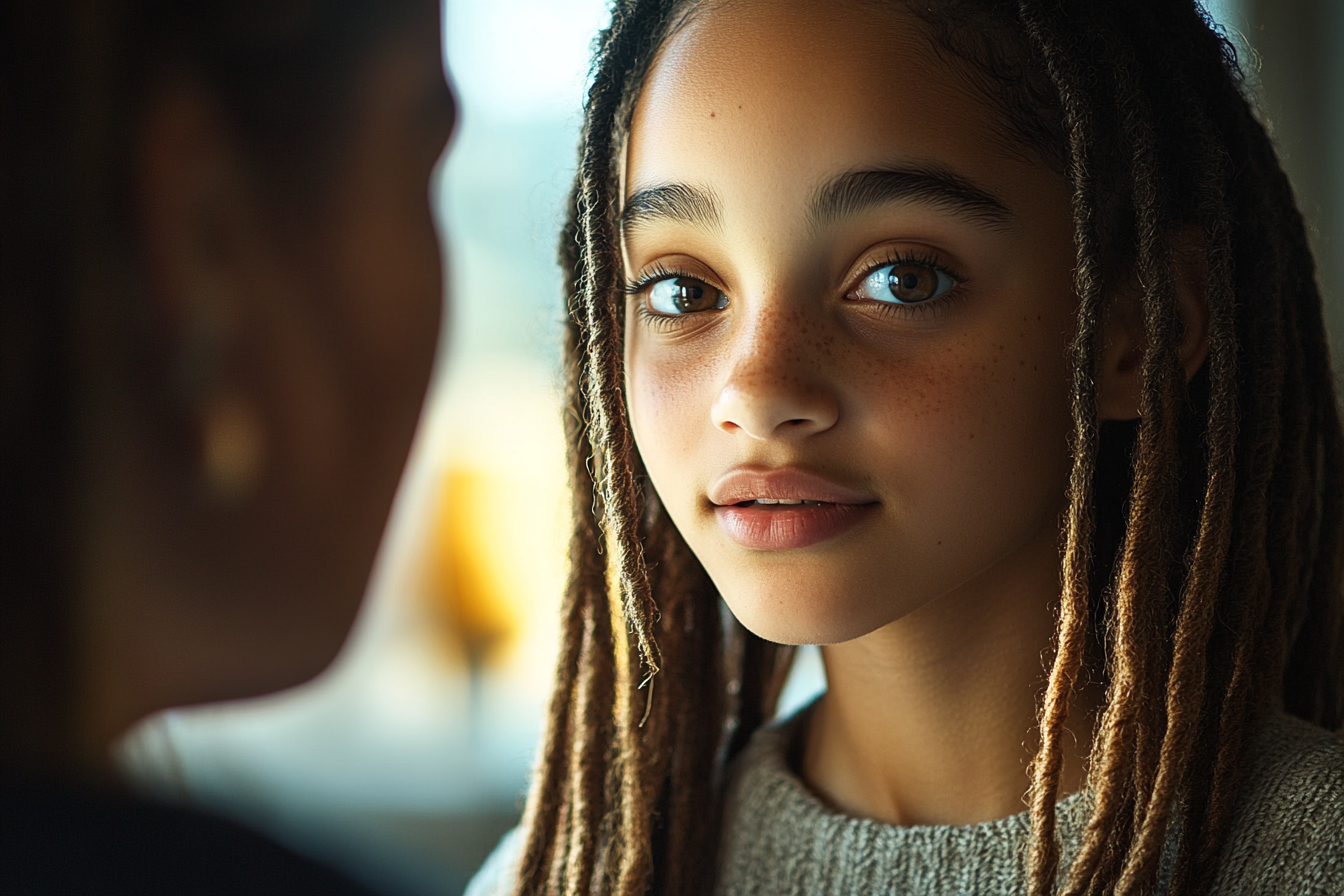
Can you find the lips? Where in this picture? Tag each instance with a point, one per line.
(777, 510)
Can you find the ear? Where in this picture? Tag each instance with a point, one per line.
(191, 199)
(197, 209)
(1124, 336)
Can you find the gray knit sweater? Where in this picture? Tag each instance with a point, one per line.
(1287, 836)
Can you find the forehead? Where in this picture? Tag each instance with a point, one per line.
(832, 85)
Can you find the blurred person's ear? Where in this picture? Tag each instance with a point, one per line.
(1124, 336)
(198, 210)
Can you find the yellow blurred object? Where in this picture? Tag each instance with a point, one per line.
(476, 561)
(497, 549)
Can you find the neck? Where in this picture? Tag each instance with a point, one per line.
(932, 719)
(171, 611)
(140, 648)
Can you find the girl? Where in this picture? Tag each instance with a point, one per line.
(979, 342)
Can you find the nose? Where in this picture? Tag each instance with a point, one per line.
(777, 386)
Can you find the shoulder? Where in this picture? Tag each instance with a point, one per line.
(760, 784)
(64, 840)
(1297, 780)
(1286, 833)
(776, 837)
(500, 871)
(759, 767)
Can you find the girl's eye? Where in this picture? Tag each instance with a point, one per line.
(905, 283)
(683, 295)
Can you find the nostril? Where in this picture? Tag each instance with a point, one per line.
(766, 409)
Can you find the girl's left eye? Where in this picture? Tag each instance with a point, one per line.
(904, 283)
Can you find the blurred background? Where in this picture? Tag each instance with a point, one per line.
(407, 760)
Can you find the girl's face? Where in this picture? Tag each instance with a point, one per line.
(849, 288)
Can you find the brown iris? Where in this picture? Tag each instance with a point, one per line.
(912, 283)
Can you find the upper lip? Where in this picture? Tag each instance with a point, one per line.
(785, 484)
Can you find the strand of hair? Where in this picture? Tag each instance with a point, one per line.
(1046, 768)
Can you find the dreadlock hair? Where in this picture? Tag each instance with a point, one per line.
(1202, 545)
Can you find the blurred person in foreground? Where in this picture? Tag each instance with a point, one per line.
(221, 296)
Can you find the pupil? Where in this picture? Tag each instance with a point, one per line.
(688, 292)
(910, 281)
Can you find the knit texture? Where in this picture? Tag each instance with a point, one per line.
(779, 838)
(1287, 835)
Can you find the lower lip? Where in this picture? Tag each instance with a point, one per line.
(784, 527)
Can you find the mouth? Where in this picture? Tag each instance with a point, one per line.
(776, 502)
(785, 509)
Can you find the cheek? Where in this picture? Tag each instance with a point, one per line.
(369, 328)
(974, 431)
(670, 396)
(387, 266)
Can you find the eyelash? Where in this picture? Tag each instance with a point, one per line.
(659, 273)
(652, 276)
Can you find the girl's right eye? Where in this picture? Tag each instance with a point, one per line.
(684, 295)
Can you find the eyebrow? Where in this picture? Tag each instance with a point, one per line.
(846, 195)
(933, 185)
(671, 202)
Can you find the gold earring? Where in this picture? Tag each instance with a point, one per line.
(233, 447)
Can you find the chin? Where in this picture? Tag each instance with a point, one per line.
(801, 615)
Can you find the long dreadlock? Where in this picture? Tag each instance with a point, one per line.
(1212, 587)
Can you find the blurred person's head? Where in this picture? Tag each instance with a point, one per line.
(221, 298)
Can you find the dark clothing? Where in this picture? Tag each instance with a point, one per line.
(75, 842)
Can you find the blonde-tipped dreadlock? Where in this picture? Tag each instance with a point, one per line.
(1204, 564)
